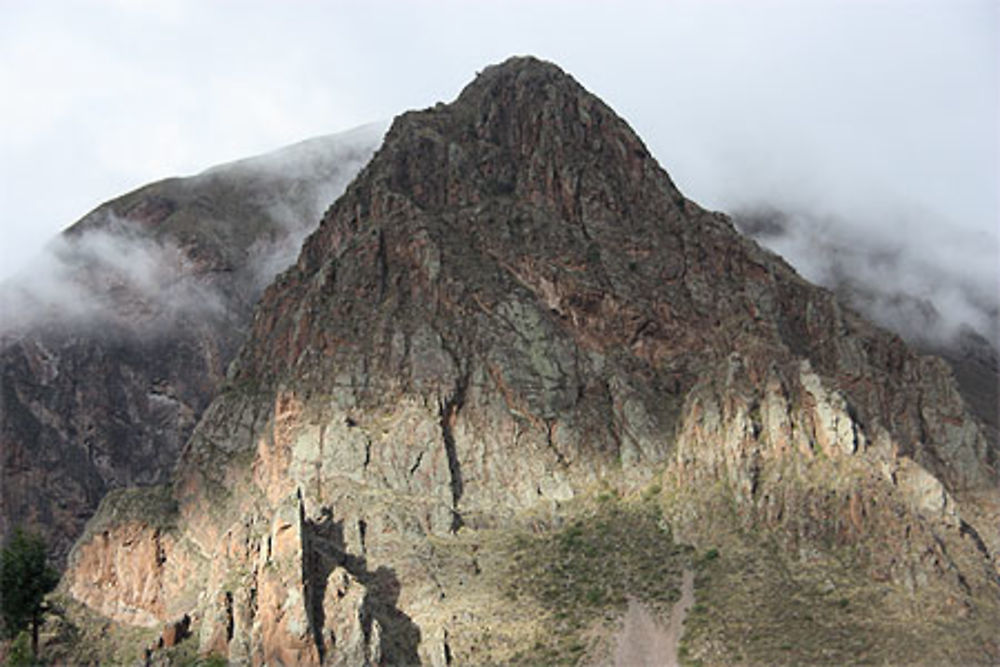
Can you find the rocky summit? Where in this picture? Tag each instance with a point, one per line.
(514, 393)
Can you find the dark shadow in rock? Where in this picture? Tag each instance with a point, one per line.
(323, 550)
(400, 635)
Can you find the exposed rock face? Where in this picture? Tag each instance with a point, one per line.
(133, 545)
(126, 326)
(511, 305)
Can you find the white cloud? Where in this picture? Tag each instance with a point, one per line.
(107, 274)
(927, 295)
(114, 273)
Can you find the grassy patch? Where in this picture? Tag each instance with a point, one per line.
(74, 634)
(584, 572)
(763, 604)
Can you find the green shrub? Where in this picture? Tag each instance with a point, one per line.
(20, 652)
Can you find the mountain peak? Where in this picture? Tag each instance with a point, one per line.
(510, 311)
(528, 192)
(521, 71)
(526, 130)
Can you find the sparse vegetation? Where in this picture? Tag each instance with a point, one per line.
(760, 604)
(20, 654)
(76, 634)
(152, 505)
(583, 573)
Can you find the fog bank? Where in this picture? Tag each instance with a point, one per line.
(928, 282)
(186, 249)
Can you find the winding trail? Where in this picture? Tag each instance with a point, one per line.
(644, 642)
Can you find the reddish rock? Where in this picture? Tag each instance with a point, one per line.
(176, 631)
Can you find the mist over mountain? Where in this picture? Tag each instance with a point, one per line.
(928, 293)
(944, 298)
(176, 250)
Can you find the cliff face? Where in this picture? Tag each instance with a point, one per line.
(512, 313)
(120, 336)
(846, 267)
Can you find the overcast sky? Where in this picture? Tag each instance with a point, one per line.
(883, 114)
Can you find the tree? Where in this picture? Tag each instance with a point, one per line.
(25, 578)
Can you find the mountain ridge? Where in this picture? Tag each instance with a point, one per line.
(508, 339)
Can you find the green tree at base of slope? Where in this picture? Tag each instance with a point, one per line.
(25, 578)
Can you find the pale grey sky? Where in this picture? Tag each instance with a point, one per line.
(881, 114)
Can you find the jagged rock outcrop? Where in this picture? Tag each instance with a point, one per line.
(510, 307)
(132, 547)
(119, 336)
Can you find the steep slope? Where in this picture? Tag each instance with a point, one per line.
(119, 335)
(510, 366)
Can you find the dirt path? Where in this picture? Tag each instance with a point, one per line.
(644, 642)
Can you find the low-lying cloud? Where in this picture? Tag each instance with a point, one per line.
(112, 271)
(923, 279)
(927, 282)
(108, 275)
